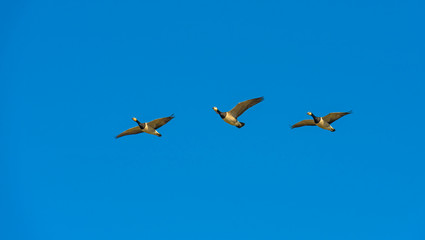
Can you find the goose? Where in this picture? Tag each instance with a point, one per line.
(322, 122)
(231, 117)
(149, 127)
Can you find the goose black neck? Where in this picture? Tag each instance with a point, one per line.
(141, 125)
(222, 115)
(316, 119)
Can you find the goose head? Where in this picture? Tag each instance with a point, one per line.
(309, 113)
(134, 119)
(215, 109)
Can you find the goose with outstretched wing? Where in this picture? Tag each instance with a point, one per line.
(231, 117)
(148, 127)
(322, 122)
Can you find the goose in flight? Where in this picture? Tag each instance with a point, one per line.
(322, 122)
(149, 127)
(231, 117)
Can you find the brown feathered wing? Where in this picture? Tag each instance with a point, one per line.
(157, 123)
(243, 106)
(332, 117)
(134, 130)
(303, 123)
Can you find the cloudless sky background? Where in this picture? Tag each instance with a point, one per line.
(74, 73)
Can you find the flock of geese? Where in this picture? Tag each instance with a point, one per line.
(231, 117)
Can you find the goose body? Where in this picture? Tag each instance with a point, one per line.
(322, 122)
(231, 117)
(150, 130)
(147, 127)
(325, 125)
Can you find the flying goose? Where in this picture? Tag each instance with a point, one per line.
(149, 127)
(231, 117)
(322, 122)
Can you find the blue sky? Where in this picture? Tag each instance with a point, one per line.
(74, 73)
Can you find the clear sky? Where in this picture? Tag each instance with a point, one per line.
(74, 73)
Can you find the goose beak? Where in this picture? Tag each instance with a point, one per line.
(309, 113)
(134, 119)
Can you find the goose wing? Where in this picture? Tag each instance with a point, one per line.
(332, 117)
(157, 123)
(303, 123)
(133, 130)
(243, 106)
